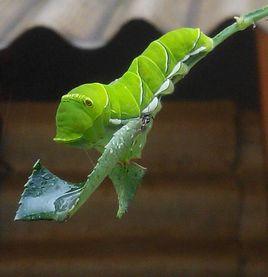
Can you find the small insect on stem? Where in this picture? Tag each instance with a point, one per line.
(146, 119)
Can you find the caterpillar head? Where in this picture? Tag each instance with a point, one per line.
(77, 112)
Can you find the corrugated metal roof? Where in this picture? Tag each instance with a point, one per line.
(90, 23)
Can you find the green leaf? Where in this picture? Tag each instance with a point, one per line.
(116, 151)
(47, 197)
(126, 178)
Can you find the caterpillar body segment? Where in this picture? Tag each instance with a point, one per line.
(163, 62)
(87, 111)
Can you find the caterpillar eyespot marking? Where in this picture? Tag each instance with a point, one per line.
(88, 102)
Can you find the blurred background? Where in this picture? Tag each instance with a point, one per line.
(202, 209)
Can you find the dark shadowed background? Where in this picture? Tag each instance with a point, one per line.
(202, 208)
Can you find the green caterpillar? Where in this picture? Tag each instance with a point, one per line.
(87, 112)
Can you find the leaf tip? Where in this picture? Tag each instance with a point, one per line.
(16, 218)
(18, 215)
(120, 213)
(37, 165)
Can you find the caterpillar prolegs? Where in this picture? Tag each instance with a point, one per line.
(88, 111)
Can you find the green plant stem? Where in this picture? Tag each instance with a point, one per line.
(241, 24)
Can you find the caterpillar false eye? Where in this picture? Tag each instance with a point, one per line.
(88, 103)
